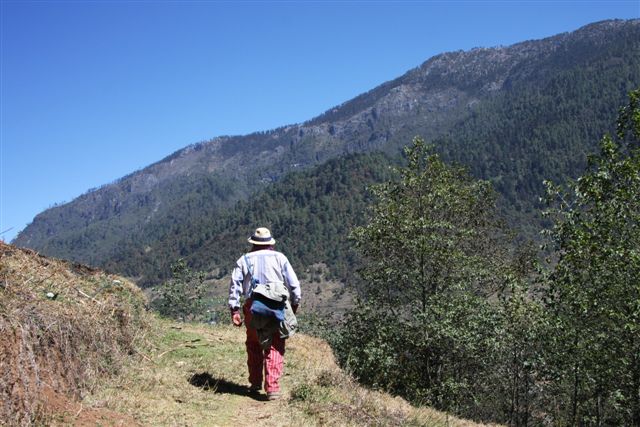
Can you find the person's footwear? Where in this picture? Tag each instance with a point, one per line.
(273, 395)
(255, 388)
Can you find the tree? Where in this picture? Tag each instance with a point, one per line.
(594, 290)
(425, 326)
(430, 231)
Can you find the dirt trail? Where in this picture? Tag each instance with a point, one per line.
(250, 412)
(196, 375)
(301, 367)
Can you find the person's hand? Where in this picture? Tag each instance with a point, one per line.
(235, 318)
(294, 307)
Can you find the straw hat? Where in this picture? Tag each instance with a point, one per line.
(262, 236)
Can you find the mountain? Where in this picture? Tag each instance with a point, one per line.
(514, 115)
(310, 211)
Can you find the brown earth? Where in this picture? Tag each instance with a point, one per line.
(62, 327)
(63, 410)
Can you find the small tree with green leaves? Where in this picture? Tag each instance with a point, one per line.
(594, 291)
(428, 325)
(183, 296)
(429, 232)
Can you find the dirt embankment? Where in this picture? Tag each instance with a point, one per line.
(63, 327)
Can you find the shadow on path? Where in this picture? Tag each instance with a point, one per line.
(219, 385)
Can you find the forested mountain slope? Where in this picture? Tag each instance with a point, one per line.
(310, 211)
(514, 115)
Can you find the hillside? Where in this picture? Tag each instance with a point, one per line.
(63, 328)
(77, 349)
(322, 204)
(514, 115)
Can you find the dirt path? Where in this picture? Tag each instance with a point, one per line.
(196, 375)
(250, 412)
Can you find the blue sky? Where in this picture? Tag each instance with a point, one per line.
(93, 90)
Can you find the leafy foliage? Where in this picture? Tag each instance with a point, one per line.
(183, 296)
(594, 291)
(426, 325)
(433, 225)
(450, 317)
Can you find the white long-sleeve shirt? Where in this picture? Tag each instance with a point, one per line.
(268, 266)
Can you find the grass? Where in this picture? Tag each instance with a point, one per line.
(190, 374)
(195, 375)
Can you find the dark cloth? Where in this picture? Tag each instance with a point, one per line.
(264, 309)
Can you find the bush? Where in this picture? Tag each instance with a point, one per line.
(183, 296)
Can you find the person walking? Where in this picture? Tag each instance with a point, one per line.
(264, 265)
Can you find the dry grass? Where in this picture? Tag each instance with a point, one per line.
(195, 375)
(331, 398)
(63, 327)
(163, 388)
